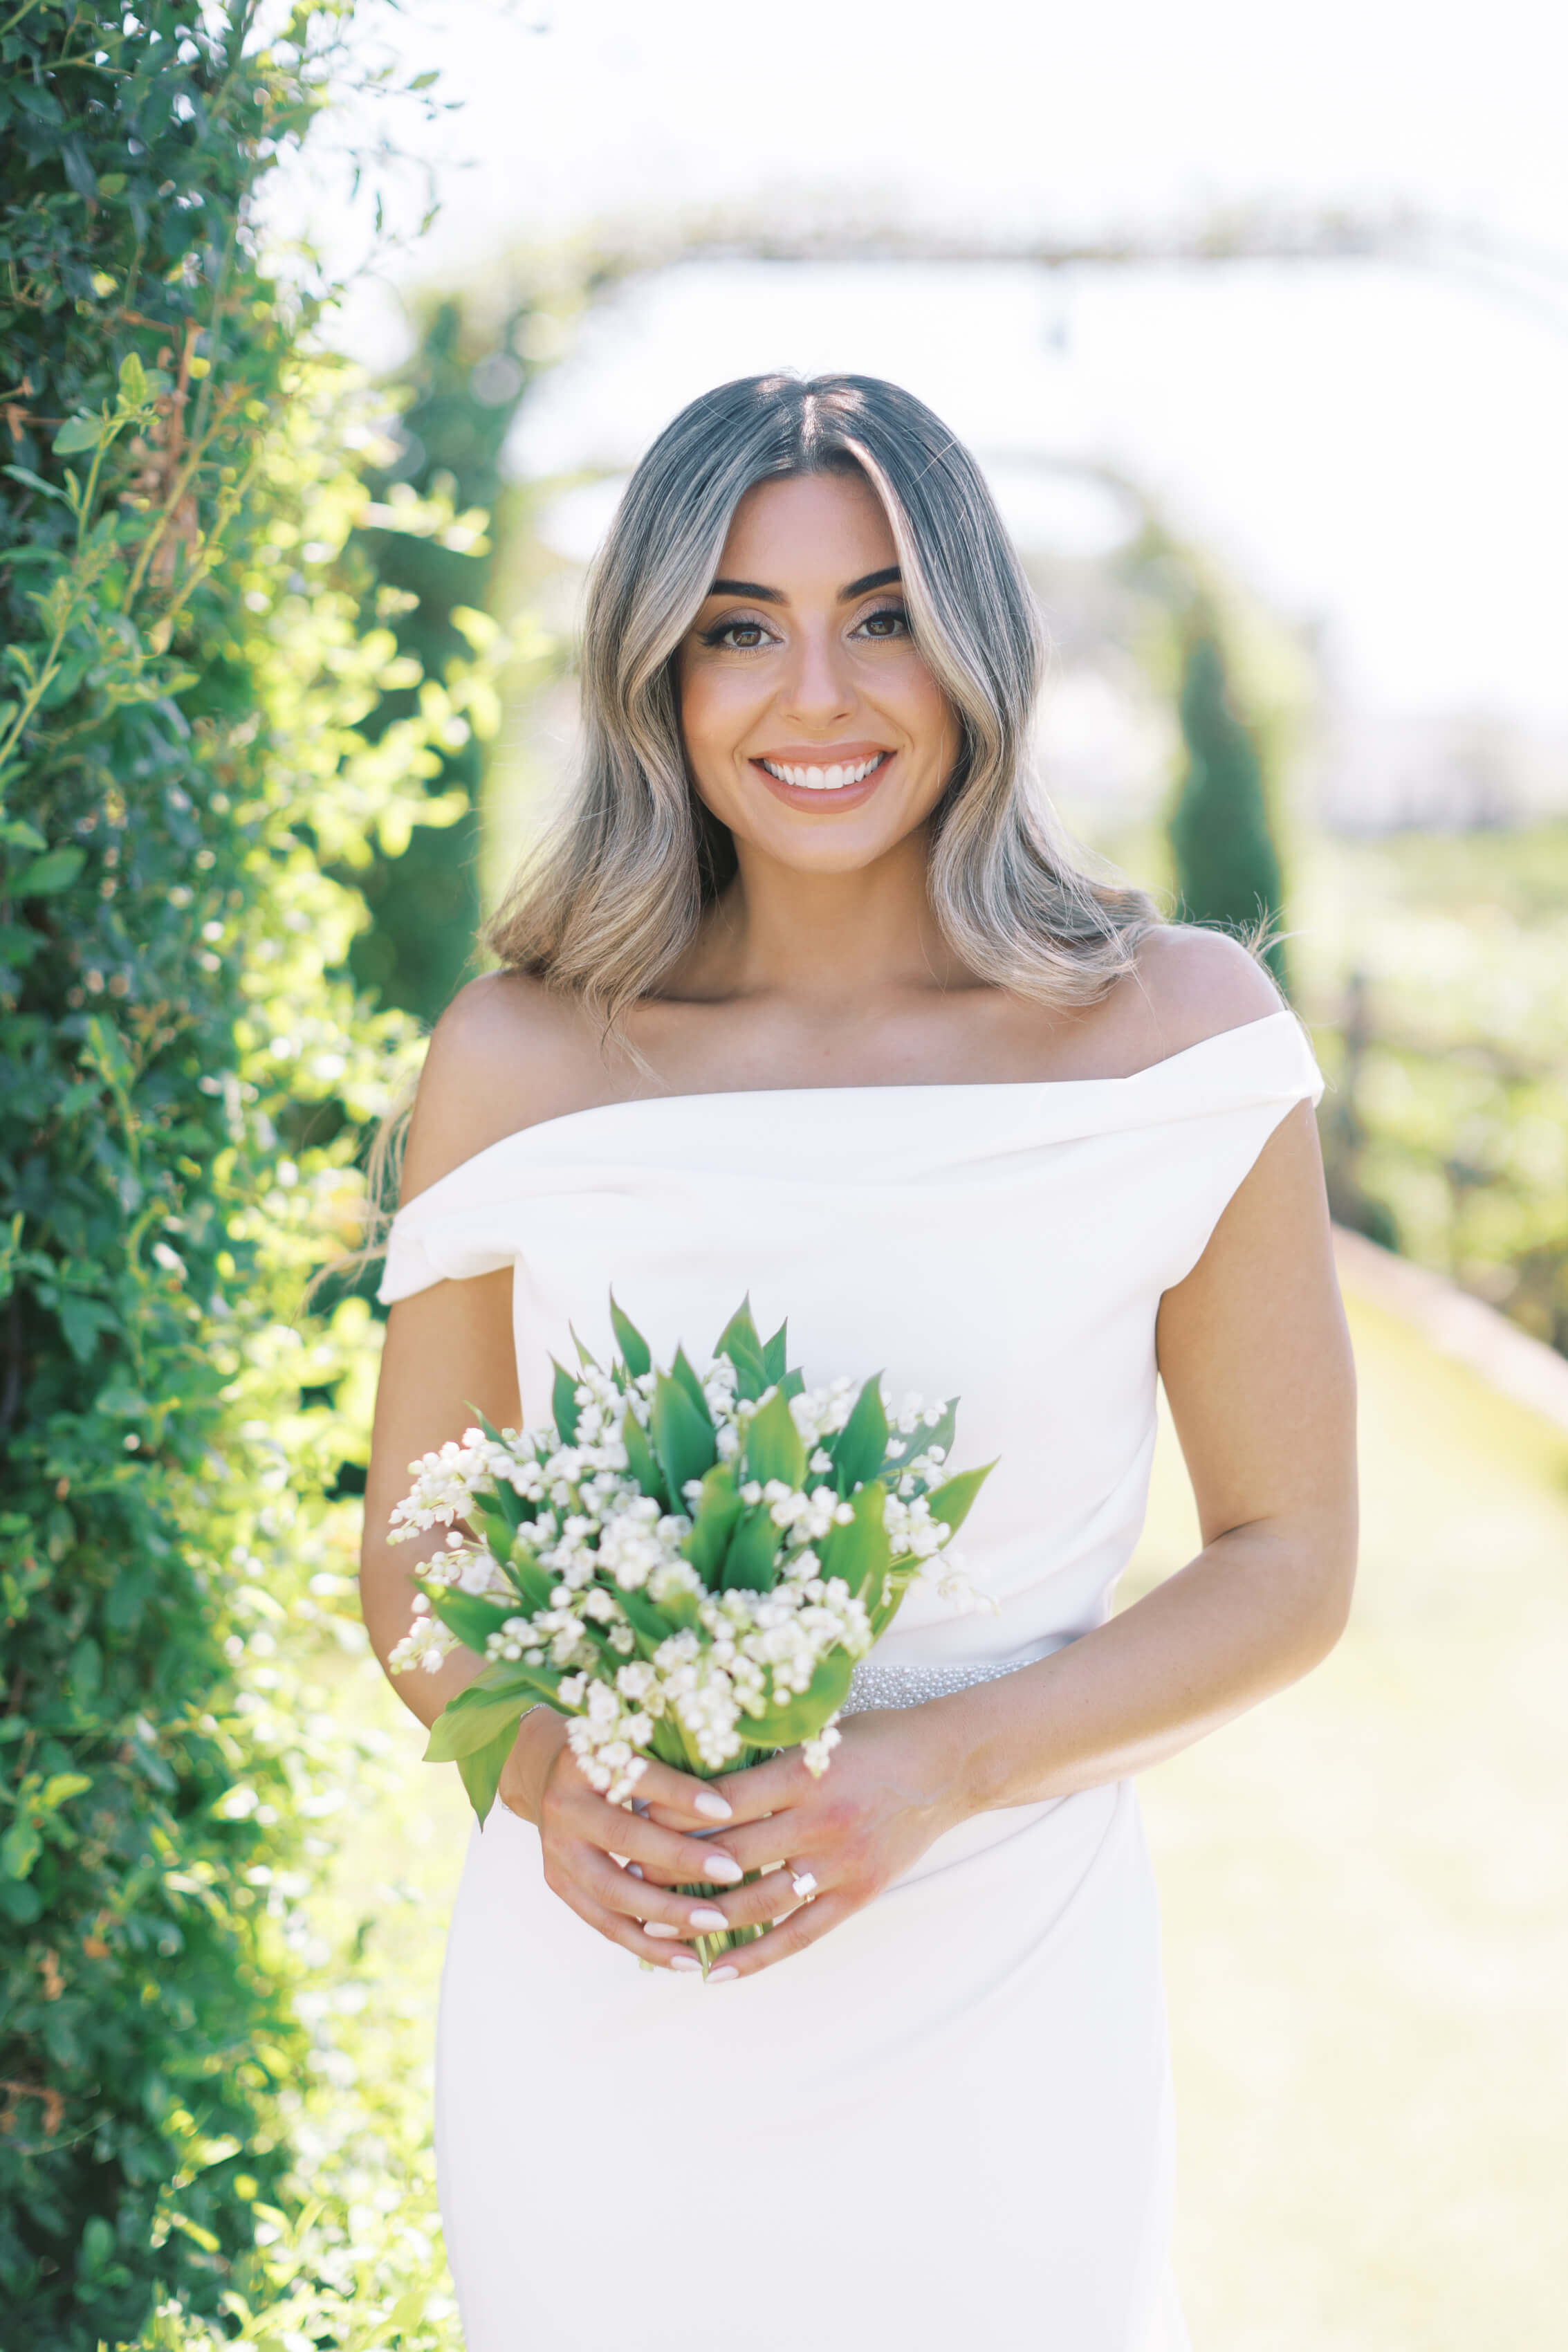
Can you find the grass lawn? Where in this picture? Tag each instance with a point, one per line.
(1366, 1908)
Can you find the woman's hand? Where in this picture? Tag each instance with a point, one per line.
(891, 1790)
(595, 1853)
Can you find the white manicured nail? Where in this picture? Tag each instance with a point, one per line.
(713, 1805)
(721, 1976)
(722, 1867)
(707, 1920)
(657, 1928)
(684, 1960)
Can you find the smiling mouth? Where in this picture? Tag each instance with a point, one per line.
(832, 778)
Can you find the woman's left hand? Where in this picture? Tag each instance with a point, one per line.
(889, 1791)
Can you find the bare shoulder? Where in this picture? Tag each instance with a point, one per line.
(1192, 984)
(505, 1055)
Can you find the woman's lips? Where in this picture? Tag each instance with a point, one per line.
(824, 783)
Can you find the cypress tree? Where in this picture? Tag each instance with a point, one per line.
(1226, 866)
(468, 380)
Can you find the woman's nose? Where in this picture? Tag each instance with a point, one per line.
(816, 689)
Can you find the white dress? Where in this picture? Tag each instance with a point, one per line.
(945, 2127)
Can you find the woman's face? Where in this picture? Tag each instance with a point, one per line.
(813, 729)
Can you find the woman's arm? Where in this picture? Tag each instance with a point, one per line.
(449, 1349)
(1257, 1363)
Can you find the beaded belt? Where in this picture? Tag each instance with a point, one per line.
(874, 1685)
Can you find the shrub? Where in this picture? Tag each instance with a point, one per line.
(190, 663)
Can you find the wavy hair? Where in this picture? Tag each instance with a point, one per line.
(634, 859)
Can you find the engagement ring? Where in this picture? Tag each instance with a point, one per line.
(804, 1884)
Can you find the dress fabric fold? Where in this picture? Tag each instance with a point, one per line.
(949, 2122)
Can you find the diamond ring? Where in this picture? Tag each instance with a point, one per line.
(804, 1883)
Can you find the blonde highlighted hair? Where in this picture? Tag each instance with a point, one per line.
(623, 880)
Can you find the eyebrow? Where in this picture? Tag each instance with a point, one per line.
(755, 589)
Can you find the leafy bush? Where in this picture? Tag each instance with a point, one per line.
(1436, 970)
(190, 664)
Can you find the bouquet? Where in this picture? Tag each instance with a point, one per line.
(686, 1565)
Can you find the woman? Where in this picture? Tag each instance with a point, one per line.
(808, 999)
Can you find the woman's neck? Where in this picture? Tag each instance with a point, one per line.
(823, 941)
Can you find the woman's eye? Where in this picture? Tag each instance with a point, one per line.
(893, 620)
(736, 636)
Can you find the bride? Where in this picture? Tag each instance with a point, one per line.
(808, 997)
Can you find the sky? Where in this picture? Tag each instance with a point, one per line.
(1378, 450)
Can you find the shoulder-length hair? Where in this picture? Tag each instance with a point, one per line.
(623, 882)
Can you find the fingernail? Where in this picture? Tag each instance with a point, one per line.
(722, 1867)
(705, 1919)
(634, 1870)
(713, 1805)
(657, 1928)
(721, 1976)
(684, 1960)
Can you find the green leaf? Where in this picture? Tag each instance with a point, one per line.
(133, 380)
(83, 1321)
(640, 1460)
(859, 1551)
(33, 482)
(60, 1787)
(683, 1371)
(471, 1720)
(77, 433)
(19, 1849)
(55, 870)
(803, 1717)
(631, 1342)
(750, 1563)
(712, 1524)
(533, 1582)
(860, 1447)
(683, 1438)
(481, 1772)
(470, 1618)
(563, 1404)
(646, 1617)
(507, 1507)
(739, 1342)
(774, 1447)
(951, 1501)
(489, 1520)
(775, 1354)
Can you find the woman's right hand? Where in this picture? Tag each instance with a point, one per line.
(595, 1853)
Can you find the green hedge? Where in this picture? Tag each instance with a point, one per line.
(190, 663)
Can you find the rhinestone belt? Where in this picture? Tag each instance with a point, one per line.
(874, 1685)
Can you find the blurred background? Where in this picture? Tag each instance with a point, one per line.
(1258, 322)
(1259, 328)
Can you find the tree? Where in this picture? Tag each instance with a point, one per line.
(1228, 869)
(466, 380)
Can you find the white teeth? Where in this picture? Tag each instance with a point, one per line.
(824, 780)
